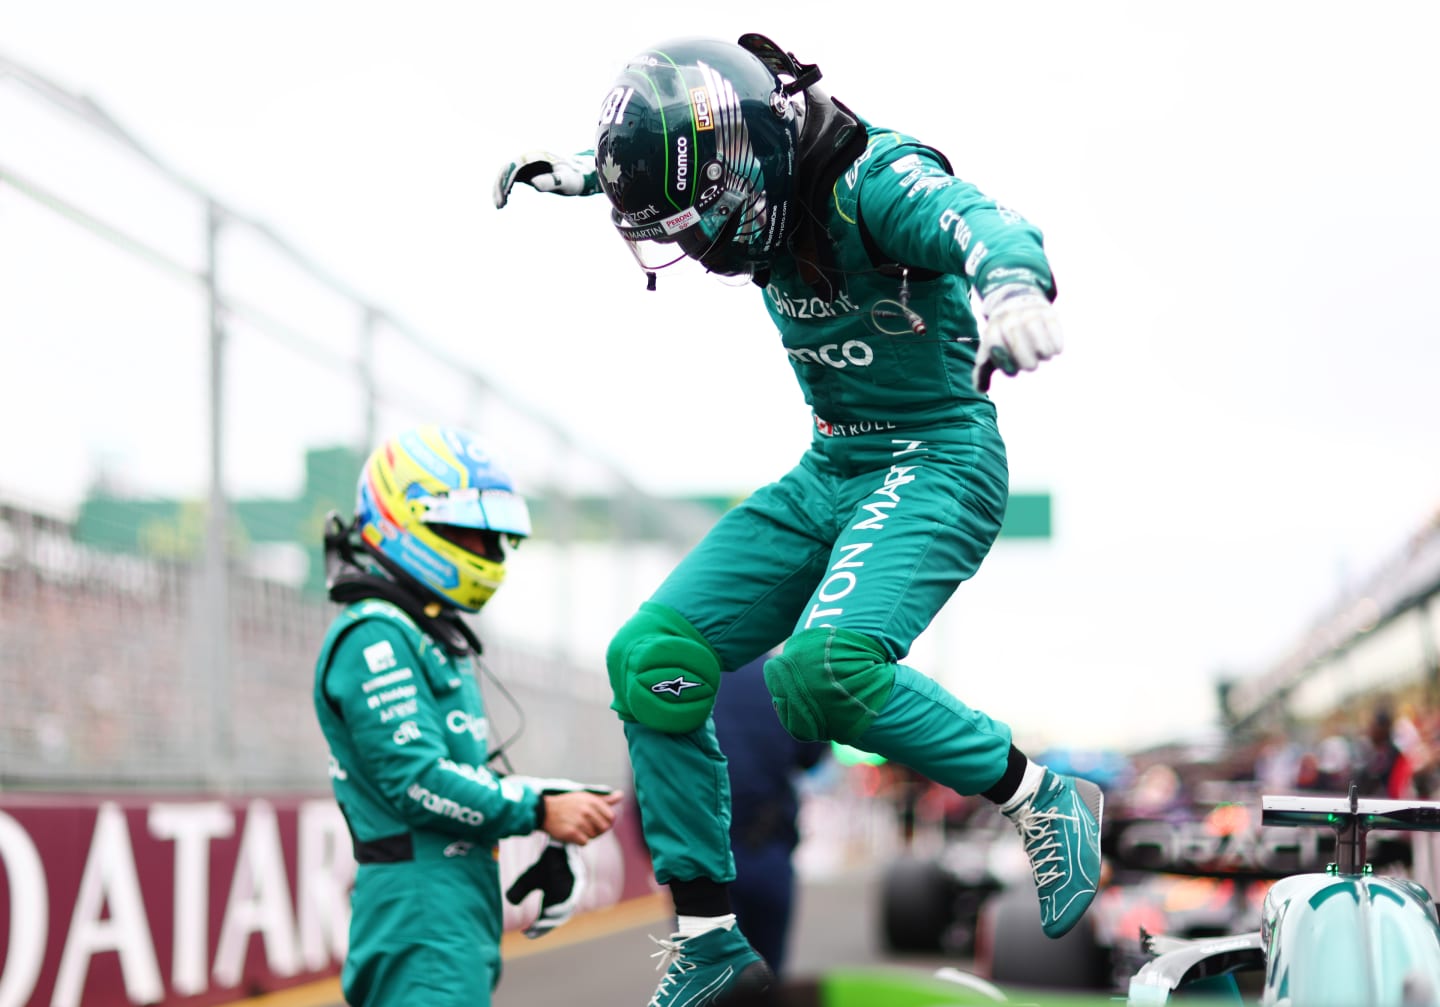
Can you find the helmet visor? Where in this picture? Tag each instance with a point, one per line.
(496, 510)
(701, 232)
(651, 253)
(712, 244)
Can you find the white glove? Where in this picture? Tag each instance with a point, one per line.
(566, 176)
(1022, 328)
(559, 875)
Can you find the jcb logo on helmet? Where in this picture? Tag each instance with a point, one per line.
(700, 101)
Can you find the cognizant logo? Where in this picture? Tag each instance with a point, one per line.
(808, 308)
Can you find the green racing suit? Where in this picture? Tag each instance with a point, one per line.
(408, 743)
(850, 555)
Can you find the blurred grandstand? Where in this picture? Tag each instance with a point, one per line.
(1380, 640)
(196, 394)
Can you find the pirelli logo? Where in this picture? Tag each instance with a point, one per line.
(700, 102)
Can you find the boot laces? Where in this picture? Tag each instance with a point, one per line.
(1042, 843)
(672, 961)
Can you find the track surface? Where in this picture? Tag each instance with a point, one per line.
(604, 957)
(836, 926)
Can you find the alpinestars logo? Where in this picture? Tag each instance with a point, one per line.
(675, 687)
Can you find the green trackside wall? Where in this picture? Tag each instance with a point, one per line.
(175, 529)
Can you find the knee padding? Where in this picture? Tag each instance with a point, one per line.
(663, 673)
(829, 684)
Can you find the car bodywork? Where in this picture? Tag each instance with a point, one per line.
(1343, 936)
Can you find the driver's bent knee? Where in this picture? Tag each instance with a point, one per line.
(662, 671)
(829, 684)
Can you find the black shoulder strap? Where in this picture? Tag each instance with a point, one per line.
(833, 138)
(883, 264)
(446, 628)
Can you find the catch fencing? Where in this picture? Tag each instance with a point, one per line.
(185, 395)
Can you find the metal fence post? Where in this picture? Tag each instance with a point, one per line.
(215, 620)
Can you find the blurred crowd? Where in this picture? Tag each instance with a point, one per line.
(109, 685)
(107, 673)
(1390, 749)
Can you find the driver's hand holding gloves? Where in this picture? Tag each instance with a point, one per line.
(559, 873)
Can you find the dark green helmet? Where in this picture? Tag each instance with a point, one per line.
(696, 149)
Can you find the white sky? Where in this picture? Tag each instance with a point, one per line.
(1239, 198)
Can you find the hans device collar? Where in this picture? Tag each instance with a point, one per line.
(352, 577)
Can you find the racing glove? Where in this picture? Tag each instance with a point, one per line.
(566, 176)
(559, 785)
(1021, 329)
(559, 876)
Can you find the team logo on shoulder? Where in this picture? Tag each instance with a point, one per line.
(852, 173)
(379, 656)
(906, 164)
(675, 686)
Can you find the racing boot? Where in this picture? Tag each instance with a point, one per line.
(1059, 825)
(709, 968)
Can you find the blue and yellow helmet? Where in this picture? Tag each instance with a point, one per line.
(434, 506)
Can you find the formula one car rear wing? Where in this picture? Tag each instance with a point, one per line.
(1352, 819)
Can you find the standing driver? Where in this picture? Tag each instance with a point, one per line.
(398, 702)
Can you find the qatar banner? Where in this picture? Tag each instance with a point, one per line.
(160, 899)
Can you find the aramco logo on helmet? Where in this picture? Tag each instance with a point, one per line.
(682, 163)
